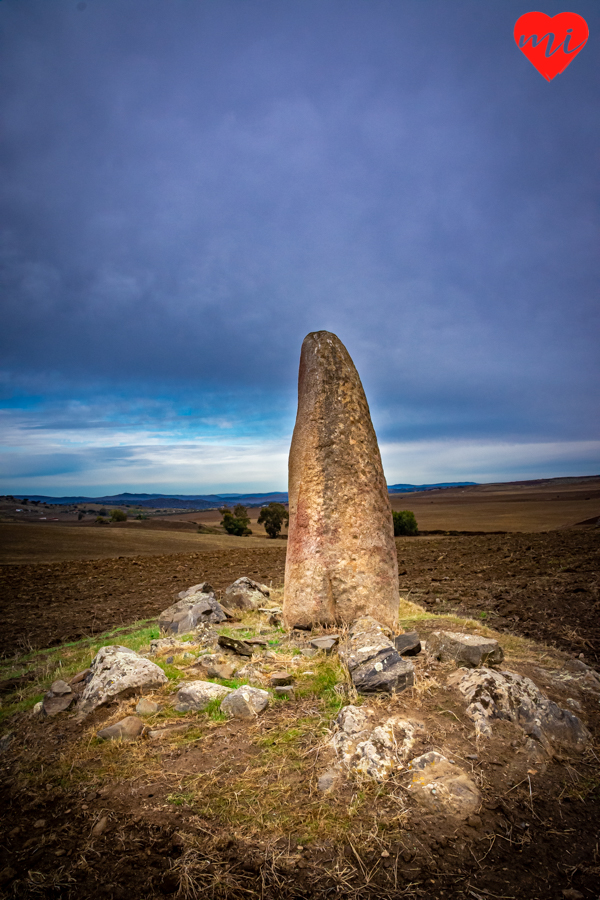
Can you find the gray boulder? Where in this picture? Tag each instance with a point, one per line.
(245, 703)
(190, 612)
(203, 588)
(372, 660)
(245, 594)
(468, 650)
(118, 672)
(196, 695)
(496, 695)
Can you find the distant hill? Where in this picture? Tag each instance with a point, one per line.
(411, 488)
(209, 501)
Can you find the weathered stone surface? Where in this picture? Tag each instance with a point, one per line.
(408, 644)
(60, 687)
(58, 698)
(127, 729)
(387, 672)
(325, 643)
(186, 614)
(442, 787)
(147, 707)
(286, 690)
(281, 679)
(245, 703)
(469, 650)
(376, 752)
(203, 588)
(196, 695)
(506, 695)
(118, 671)
(373, 661)
(246, 594)
(240, 647)
(341, 557)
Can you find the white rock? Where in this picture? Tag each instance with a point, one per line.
(506, 695)
(442, 787)
(246, 702)
(117, 671)
(196, 695)
(353, 719)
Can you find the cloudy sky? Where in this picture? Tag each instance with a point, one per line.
(188, 187)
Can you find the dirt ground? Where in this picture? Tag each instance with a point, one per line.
(536, 835)
(544, 586)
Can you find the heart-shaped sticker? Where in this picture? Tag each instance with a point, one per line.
(551, 42)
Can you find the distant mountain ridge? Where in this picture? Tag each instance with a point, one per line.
(211, 501)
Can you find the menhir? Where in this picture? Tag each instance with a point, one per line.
(341, 557)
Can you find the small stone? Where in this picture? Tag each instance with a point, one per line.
(284, 691)
(100, 827)
(81, 676)
(474, 821)
(59, 688)
(326, 643)
(240, 647)
(147, 707)
(572, 894)
(127, 729)
(309, 651)
(245, 703)
(170, 660)
(281, 679)
(38, 708)
(5, 741)
(196, 695)
(385, 854)
(408, 644)
(59, 852)
(39, 823)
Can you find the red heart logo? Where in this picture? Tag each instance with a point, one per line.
(551, 42)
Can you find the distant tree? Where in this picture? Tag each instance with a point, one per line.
(272, 517)
(118, 515)
(100, 520)
(235, 521)
(80, 516)
(102, 512)
(404, 522)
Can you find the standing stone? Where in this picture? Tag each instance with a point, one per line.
(341, 557)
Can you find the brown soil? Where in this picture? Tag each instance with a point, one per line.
(544, 586)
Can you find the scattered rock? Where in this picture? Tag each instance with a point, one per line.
(246, 702)
(309, 651)
(374, 752)
(127, 729)
(326, 643)
(505, 695)
(572, 894)
(285, 691)
(117, 672)
(442, 787)
(328, 780)
(58, 699)
(186, 614)
(242, 648)
(5, 741)
(100, 827)
(246, 594)
(373, 661)
(203, 588)
(38, 708)
(196, 695)
(469, 650)
(39, 823)
(408, 644)
(341, 560)
(281, 679)
(168, 729)
(147, 707)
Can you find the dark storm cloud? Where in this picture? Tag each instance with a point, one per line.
(189, 188)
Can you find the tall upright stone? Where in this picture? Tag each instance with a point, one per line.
(341, 557)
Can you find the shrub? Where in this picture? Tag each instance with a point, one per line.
(102, 512)
(118, 515)
(100, 520)
(404, 522)
(236, 521)
(272, 517)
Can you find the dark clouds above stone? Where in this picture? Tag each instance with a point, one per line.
(189, 188)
